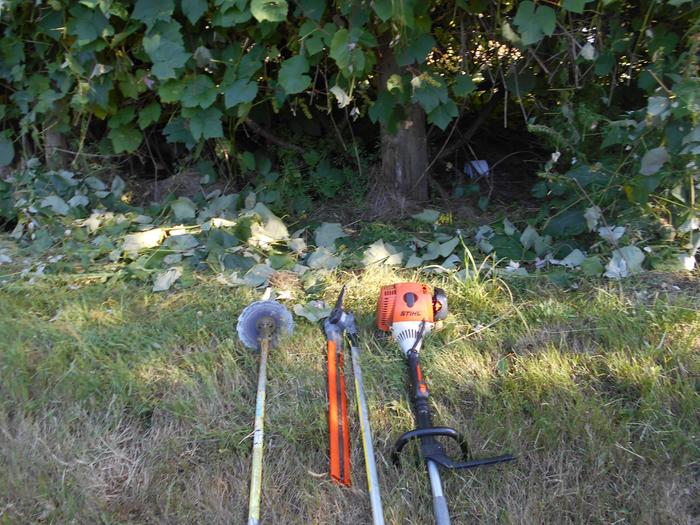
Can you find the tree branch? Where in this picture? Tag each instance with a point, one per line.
(255, 128)
(475, 125)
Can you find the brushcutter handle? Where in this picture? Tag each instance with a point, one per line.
(429, 447)
(433, 451)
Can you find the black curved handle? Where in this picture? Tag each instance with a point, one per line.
(432, 450)
(429, 447)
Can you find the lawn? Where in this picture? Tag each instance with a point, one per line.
(118, 405)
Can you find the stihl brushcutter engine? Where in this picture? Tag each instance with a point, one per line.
(409, 311)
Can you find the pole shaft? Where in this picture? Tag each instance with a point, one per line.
(440, 511)
(370, 463)
(256, 469)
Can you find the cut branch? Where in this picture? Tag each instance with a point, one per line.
(255, 128)
(475, 125)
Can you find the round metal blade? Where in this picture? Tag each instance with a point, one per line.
(247, 322)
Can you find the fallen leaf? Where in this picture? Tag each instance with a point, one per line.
(413, 262)
(574, 259)
(181, 243)
(297, 245)
(592, 216)
(529, 237)
(323, 258)
(183, 208)
(611, 233)
(508, 227)
(56, 204)
(327, 233)
(314, 311)
(164, 280)
(382, 253)
(135, 242)
(427, 215)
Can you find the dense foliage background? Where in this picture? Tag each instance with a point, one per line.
(307, 100)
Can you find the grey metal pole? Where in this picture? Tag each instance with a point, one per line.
(256, 470)
(370, 462)
(440, 511)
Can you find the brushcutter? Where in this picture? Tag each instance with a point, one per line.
(409, 311)
(260, 326)
(336, 325)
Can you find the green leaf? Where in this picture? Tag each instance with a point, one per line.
(194, 9)
(183, 208)
(56, 204)
(340, 48)
(327, 233)
(442, 115)
(151, 11)
(204, 123)
(163, 44)
(416, 51)
(240, 92)
(575, 6)
(313, 9)
(86, 24)
(463, 85)
(292, 75)
(269, 10)
(653, 160)
(181, 243)
(125, 139)
(592, 267)
(547, 18)
(381, 253)
(123, 117)
(230, 17)
(429, 92)
(149, 115)
(427, 215)
(382, 108)
(200, 91)
(171, 90)
(529, 237)
(384, 9)
(7, 150)
(533, 23)
(202, 56)
(323, 258)
(394, 83)
(314, 311)
(567, 224)
(164, 280)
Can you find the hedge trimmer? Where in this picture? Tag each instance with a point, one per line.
(259, 327)
(409, 312)
(339, 322)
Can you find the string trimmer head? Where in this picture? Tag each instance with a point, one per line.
(263, 319)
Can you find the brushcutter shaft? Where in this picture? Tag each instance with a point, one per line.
(370, 464)
(421, 408)
(256, 470)
(440, 510)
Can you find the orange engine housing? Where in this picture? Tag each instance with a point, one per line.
(404, 302)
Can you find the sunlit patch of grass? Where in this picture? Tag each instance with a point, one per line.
(121, 405)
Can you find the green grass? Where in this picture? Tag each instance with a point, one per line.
(118, 405)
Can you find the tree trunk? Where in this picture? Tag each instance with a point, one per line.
(404, 153)
(54, 149)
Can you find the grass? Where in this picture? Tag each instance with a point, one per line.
(118, 405)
